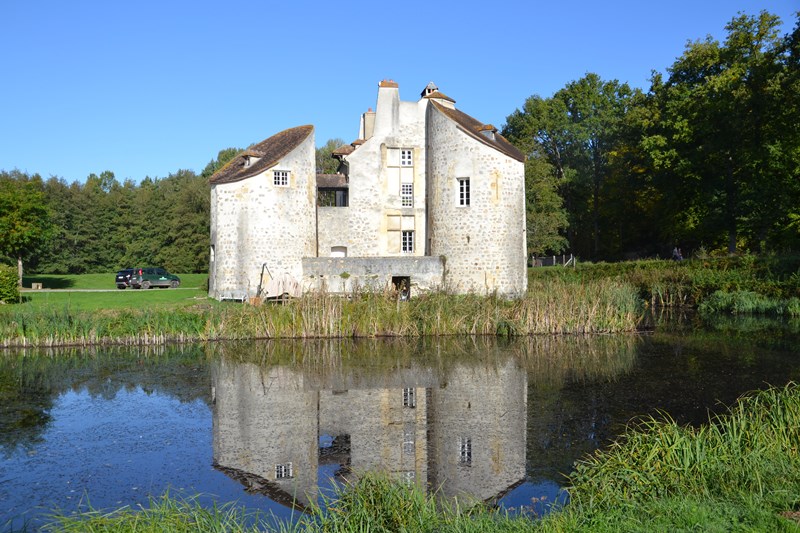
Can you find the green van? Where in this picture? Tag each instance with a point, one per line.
(145, 278)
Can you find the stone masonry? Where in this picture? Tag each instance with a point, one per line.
(427, 198)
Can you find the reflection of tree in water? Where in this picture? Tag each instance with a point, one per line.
(31, 381)
(24, 406)
(554, 360)
(563, 426)
(684, 370)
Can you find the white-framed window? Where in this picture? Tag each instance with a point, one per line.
(284, 471)
(407, 194)
(280, 178)
(463, 191)
(407, 242)
(409, 398)
(465, 450)
(406, 157)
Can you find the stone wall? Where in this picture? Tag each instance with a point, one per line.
(255, 222)
(484, 242)
(375, 216)
(348, 274)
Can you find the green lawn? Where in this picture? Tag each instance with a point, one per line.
(191, 292)
(98, 281)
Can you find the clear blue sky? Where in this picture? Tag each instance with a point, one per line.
(145, 88)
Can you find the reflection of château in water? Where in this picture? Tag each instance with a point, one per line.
(284, 430)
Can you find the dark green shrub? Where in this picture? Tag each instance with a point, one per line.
(9, 289)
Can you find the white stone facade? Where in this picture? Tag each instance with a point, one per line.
(400, 196)
(266, 219)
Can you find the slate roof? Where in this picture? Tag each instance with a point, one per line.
(474, 127)
(270, 151)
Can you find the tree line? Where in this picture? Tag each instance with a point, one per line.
(102, 225)
(707, 158)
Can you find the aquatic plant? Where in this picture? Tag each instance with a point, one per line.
(748, 302)
(749, 454)
(163, 514)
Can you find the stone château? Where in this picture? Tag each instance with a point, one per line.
(427, 198)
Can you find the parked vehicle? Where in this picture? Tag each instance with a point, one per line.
(145, 278)
(123, 279)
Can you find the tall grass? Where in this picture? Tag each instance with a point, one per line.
(374, 504)
(596, 307)
(689, 283)
(748, 302)
(748, 456)
(165, 514)
(25, 326)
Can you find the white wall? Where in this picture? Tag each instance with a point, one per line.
(485, 242)
(255, 222)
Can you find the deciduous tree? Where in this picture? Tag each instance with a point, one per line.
(24, 217)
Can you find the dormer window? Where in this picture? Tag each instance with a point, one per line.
(430, 88)
(488, 131)
(246, 161)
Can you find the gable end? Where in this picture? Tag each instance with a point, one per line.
(266, 154)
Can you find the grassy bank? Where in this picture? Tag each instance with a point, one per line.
(743, 284)
(592, 298)
(601, 306)
(740, 472)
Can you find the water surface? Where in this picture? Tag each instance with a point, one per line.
(268, 425)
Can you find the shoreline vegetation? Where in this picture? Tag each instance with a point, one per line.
(597, 298)
(738, 472)
(601, 306)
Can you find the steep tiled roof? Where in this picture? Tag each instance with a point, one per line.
(345, 149)
(473, 127)
(437, 94)
(269, 152)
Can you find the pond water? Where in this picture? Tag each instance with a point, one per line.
(271, 424)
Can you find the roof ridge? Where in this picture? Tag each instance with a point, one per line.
(269, 151)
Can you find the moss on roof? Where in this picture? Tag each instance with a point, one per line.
(473, 127)
(269, 152)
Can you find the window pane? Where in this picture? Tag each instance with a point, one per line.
(463, 191)
(465, 446)
(280, 178)
(407, 243)
(407, 194)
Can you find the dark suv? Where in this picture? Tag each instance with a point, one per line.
(123, 279)
(144, 278)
